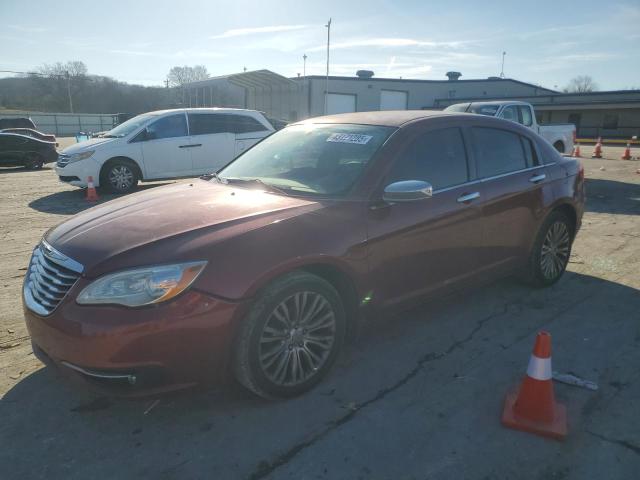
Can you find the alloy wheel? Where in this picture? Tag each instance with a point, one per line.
(297, 338)
(555, 250)
(121, 177)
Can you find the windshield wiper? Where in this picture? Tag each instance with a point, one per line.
(108, 135)
(257, 181)
(209, 176)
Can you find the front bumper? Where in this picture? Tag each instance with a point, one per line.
(142, 351)
(78, 173)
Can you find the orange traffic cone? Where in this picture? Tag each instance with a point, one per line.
(576, 151)
(92, 195)
(627, 152)
(597, 153)
(534, 408)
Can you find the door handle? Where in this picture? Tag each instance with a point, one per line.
(468, 197)
(191, 146)
(537, 178)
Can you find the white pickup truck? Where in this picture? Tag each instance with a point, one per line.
(560, 135)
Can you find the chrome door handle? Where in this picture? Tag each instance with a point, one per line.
(468, 197)
(537, 178)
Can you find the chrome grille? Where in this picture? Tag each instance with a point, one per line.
(51, 274)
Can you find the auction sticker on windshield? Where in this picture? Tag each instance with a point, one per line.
(349, 138)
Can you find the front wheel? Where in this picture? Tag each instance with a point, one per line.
(551, 251)
(119, 176)
(291, 337)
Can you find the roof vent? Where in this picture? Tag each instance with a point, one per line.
(453, 76)
(364, 73)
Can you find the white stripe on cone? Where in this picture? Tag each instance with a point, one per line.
(539, 368)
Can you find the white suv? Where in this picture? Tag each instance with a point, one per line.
(164, 144)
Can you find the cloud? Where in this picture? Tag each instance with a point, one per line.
(178, 54)
(387, 42)
(240, 32)
(27, 28)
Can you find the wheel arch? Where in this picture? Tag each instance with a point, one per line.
(126, 159)
(570, 211)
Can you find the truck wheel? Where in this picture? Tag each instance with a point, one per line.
(559, 146)
(291, 337)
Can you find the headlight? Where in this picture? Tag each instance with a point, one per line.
(76, 157)
(141, 286)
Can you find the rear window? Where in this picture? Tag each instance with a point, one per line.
(489, 110)
(498, 151)
(210, 123)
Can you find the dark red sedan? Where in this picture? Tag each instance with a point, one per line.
(262, 269)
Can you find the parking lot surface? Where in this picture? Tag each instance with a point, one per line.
(416, 396)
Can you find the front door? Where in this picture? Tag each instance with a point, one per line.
(164, 148)
(420, 246)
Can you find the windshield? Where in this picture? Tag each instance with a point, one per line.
(129, 126)
(459, 107)
(323, 159)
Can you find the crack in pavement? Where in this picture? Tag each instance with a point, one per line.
(265, 468)
(623, 443)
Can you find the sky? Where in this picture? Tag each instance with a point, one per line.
(547, 42)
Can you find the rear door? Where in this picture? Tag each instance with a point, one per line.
(212, 141)
(514, 187)
(164, 148)
(420, 246)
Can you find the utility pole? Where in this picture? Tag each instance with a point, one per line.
(166, 83)
(304, 66)
(326, 94)
(502, 69)
(69, 91)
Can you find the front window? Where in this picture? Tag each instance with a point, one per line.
(129, 126)
(320, 159)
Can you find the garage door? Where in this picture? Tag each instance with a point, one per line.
(392, 100)
(341, 103)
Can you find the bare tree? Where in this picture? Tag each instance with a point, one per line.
(581, 84)
(179, 76)
(59, 69)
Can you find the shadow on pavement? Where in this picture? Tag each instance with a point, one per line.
(70, 202)
(611, 196)
(55, 430)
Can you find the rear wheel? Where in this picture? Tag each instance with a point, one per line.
(551, 251)
(559, 146)
(119, 176)
(291, 337)
(34, 162)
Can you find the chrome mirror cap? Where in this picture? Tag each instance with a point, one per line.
(407, 191)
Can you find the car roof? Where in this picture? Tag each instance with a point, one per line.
(499, 102)
(203, 110)
(387, 118)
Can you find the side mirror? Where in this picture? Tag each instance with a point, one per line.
(407, 191)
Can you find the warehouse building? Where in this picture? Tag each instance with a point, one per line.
(614, 114)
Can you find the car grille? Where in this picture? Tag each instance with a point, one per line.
(63, 160)
(51, 274)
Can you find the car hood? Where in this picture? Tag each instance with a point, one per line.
(201, 207)
(87, 144)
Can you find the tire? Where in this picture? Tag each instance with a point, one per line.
(119, 176)
(34, 162)
(559, 146)
(551, 251)
(277, 354)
